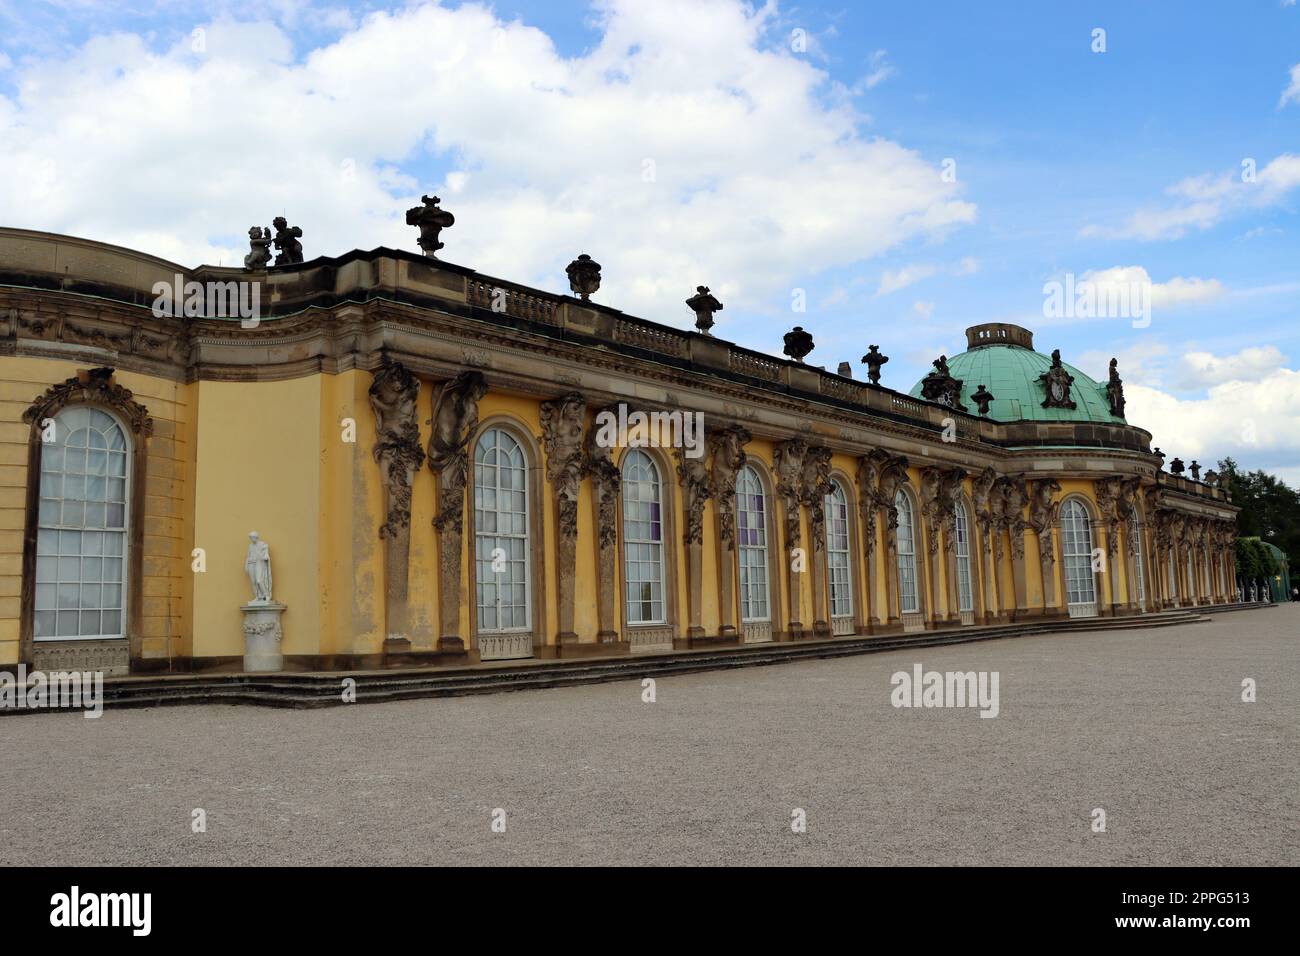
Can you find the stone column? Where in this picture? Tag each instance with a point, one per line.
(893, 475)
(981, 495)
(931, 518)
(607, 482)
(868, 475)
(789, 458)
(727, 457)
(816, 486)
(562, 422)
(393, 395)
(1015, 496)
(693, 475)
(455, 419)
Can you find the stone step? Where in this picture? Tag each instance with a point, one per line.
(324, 689)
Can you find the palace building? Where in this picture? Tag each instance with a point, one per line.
(445, 468)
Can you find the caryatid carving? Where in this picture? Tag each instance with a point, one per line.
(1126, 508)
(981, 495)
(598, 464)
(869, 497)
(1107, 492)
(1042, 514)
(788, 465)
(1014, 497)
(455, 417)
(693, 473)
(950, 491)
(932, 505)
(816, 486)
(727, 454)
(893, 475)
(393, 395)
(562, 421)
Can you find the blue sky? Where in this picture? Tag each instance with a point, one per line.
(776, 168)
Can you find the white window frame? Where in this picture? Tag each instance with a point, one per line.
(755, 580)
(839, 556)
(909, 599)
(1076, 553)
(639, 459)
(965, 590)
(47, 592)
(480, 578)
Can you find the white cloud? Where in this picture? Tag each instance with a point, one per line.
(1254, 421)
(757, 180)
(923, 310)
(881, 70)
(1203, 201)
(891, 280)
(1292, 93)
(1251, 364)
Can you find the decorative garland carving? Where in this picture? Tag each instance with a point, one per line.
(727, 457)
(93, 387)
(455, 417)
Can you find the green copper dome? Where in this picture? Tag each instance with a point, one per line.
(1002, 359)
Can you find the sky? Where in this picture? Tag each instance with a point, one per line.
(877, 173)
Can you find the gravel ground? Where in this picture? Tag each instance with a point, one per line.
(1148, 725)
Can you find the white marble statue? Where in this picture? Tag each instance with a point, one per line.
(258, 567)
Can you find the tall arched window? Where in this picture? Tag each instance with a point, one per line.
(501, 528)
(751, 531)
(838, 560)
(907, 597)
(643, 540)
(1076, 548)
(965, 596)
(81, 535)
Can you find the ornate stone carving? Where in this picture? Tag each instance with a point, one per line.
(693, 473)
(788, 462)
(1013, 497)
(1043, 513)
(257, 565)
(455, 417)
(1176, 467)
(1195, 468)
(950, 491)
(393, 395)
(981, 493)
(727, 454)
(94, 387)
(893, 475)
(873, 360)
(286, 241)
(939, 386)
(259, 253)
(798, 343)
(584, 276)
(562, 438)
(1126, 508)
(982, 398)
(703, 305)
(1056, 383)
(932, 505)
(869, 499)
(431, 220)
(1115, 390)
(816, 483)
(1107, 492)
(608, 480)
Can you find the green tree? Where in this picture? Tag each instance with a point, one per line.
(1270, 510)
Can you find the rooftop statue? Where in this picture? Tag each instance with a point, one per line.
(286, 241)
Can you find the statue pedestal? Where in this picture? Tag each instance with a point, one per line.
(263, 637)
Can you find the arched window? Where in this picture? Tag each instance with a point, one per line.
(1076, 548)
(501, 528)
(81, 535)
(1173, 575)
(751, 530)
(965, 597)
(838, 560)
(907, 597)
(643, 540)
